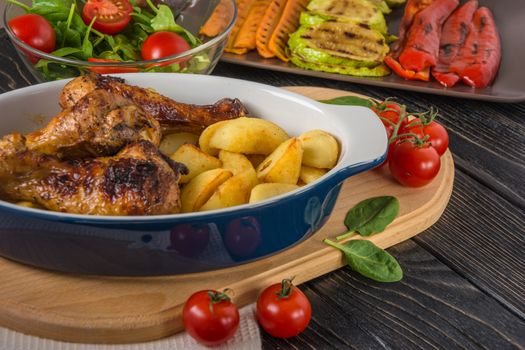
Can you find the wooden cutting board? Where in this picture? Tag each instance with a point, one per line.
(132, 309)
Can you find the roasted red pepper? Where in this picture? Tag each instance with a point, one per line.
(392, 60)
(453, 36)
(478, 60)
(422, 45)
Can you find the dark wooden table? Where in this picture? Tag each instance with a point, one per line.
(464, 284)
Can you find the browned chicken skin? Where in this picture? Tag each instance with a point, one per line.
(172, 116)
(99, 124)
(139, 180)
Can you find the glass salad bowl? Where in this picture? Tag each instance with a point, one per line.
(81, 48)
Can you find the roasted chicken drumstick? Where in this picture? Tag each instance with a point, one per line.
(139, 180)
(172, 115)
(99, 124)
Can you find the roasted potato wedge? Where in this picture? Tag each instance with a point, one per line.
(204, 139)
(171, 142)
(234, 191)
(269, 190)
(255, 159)
(195, 160)
(321, 149)
(248, 136)
(310, 174)
(235, 162)
(284, 164)
(201, 188)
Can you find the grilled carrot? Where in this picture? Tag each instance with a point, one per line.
(246, 36)
(243, 8)
(218, 20)
(422, 45)
(478, 60)
(287, 24)
(267, 26)
(455, 31)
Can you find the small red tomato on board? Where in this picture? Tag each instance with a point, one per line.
(112, 16)
(110, 69)
(35, 31)
(414, 165)
(283, 310)
(438, 135)
(164, 44)
(210, 317)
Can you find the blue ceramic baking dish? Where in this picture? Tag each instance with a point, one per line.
(194, 242)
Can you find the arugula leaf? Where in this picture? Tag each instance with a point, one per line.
(350, 101)
(369, 260)
(165, 21)
(66, 51)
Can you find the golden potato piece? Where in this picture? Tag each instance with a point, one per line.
(255, 159)
(235, 162)
(195, 160)
(310, 174)
(234, 191)
(28, 204)
(284, 164)
(321, 149)
(171, 142)
(248, 136)
(204, 139)
(201, 188)
(269, 190)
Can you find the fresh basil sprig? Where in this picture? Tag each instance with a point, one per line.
(369, 260)
(350, 101)
(371, 216)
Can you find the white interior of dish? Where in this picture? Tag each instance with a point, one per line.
(359, 131)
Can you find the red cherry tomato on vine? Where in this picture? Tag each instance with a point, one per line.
(112, 15)
(164, 44)
(388, 110)
(35, 31)
(412, 165)
(283, 311)
(210, 317)
(438, 135)
(110, 70)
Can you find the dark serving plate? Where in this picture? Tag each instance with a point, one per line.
(509, 85)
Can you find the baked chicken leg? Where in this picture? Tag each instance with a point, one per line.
(139, 180)
(172, 115)
(98, 124)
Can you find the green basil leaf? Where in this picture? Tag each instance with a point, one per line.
(369, 260)
(66, 51)
(350, 101)
(372, 215)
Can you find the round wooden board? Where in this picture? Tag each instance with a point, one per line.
(92, 309)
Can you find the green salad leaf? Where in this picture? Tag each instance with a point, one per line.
(165, 21)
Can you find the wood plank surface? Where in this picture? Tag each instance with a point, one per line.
(104, 310)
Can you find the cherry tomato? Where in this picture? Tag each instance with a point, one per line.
(438, 135)
(112, 15)
(243, 236)
(210, 317)
(163, 44)
(283, 310)
(35, 31)
(190, 239)
(110, 70)
(388, 110)
(412, 165)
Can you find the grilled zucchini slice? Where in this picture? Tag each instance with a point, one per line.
(377, 71)
(356, 11)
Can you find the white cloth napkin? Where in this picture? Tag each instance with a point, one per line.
(247, 337)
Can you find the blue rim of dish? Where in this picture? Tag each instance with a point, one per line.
(50, 57)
